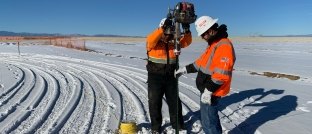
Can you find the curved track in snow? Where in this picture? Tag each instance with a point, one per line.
(65, 95)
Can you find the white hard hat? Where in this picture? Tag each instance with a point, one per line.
(203, 23)
(162, 22)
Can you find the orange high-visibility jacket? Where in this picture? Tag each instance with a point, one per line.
(157, 49)
(218, 61)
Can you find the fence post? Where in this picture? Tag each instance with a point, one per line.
(84, 44)
(18, 48)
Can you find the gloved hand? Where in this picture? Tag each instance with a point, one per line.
(186, 27)
(167, 23)
(206, 97)
(179, 72)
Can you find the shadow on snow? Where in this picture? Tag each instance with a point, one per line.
(271, 110)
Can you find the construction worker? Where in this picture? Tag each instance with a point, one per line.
(214, 69)
(161, 66)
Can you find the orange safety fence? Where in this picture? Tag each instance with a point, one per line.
(4, 38)
(69, 43)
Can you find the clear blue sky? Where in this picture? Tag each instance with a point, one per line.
(140, 17)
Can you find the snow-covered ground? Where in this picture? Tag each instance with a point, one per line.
(50, 89)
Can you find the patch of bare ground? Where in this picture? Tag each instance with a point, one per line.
(277, 75)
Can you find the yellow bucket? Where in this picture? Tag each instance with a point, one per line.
(128, 127)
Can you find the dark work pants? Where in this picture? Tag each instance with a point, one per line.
(158, 86)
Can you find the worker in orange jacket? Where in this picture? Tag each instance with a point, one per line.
(214, 69)
(161, 66)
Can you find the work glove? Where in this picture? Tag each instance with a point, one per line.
(206, 97)
(179, 72)
(167, 23)
(186, 27)
(169, 30)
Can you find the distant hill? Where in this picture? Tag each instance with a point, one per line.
(25, 34)
(306, 35)
(7, 33)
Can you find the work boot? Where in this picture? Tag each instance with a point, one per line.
(155, 132)
(180, 127)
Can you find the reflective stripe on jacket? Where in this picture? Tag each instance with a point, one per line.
(218, 61)
(157, 49)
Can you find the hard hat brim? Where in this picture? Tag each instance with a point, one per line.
(162, 21)
(207, 27)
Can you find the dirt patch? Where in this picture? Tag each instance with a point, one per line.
(277, 75)
(254, 73)
(108, 54)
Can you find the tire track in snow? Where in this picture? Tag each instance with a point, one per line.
(12, 106)
(235, 117)
(104, 102)
(55, 95)
(124, 88)
(87, 96)
(114, 82)
(69, 108)
(188, 104)
(72, 65)
(15, 85)
(81, 121)
(132, 107)
(34, 121)
(60, 113)
(122, 78)
(118, 84)
(60, 109)
(80, 72)
(8, 94)
(26, 107)
(51, 99)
